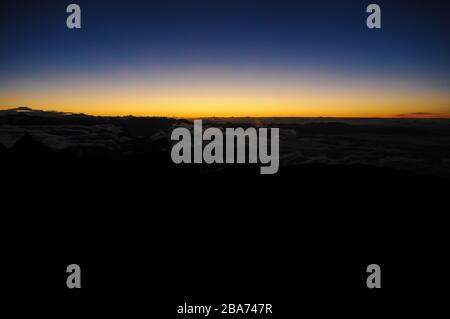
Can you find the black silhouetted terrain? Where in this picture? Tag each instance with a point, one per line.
(104, 193)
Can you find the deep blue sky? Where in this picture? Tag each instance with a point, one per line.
(413, 42)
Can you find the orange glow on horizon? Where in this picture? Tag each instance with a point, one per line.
(222, 94)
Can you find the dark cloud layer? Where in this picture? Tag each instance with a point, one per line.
(418, 145)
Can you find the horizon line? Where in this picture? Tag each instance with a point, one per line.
(410, 116)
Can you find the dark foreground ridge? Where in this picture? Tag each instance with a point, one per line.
(104, 193)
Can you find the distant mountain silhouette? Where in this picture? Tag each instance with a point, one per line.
(135, 126)
(23, 110)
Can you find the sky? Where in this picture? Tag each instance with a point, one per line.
(227, 58)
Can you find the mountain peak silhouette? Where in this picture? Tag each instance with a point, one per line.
(27, 145)
(23, 108)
